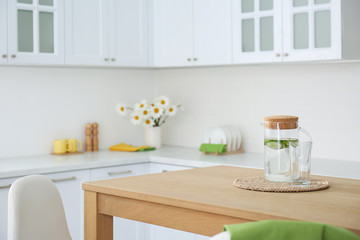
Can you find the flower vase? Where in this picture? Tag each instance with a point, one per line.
(153, 136)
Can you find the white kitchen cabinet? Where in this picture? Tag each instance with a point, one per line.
(69, 185)
(128, 35)
(3, 32)
(191, 32)
(35, 31)
(162, 233)
(257, 31)
(296, 30)
(106, 33)
(312, 30)
(86, 28)
(5, 185)
(124, 228)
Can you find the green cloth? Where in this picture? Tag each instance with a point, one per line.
(147, 149)
(286, 230)
(211, 148)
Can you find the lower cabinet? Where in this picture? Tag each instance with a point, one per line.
(5, 185)
(69, 185)
(162, 233)
(123, 228)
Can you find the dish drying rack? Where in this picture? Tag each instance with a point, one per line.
(221, 154)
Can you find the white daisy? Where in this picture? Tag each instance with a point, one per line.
(144, 112)
(163, 101)
(121, 109)
(156, 111)
(136, 118)
(148, 122)
(141, 105)
(172, 110)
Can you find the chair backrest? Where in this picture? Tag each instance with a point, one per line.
(36, 211)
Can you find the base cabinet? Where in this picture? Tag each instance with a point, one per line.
(69, 185)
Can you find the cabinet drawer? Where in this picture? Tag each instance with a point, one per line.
(159, 167)
(117, 172)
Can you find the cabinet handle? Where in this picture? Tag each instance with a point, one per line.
(4, 56)
(277, 54)
(189, 59)
(285, 54)
(13, 55)
(5, 186)
(106, 59)
(113, 59)
(119, 173)
(164, 170)
(195, 59)
(63, 179)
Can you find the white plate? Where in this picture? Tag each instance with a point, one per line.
(215, 134)
(229, 145)
(234, 135)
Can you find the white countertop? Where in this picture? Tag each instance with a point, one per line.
(20, 166)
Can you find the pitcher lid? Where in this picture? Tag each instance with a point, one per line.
(281, 122)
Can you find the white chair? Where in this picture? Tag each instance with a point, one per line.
(221, 236)
(36, 211)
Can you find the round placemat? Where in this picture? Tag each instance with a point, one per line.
(260, 184)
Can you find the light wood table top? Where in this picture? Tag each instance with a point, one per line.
(202, 200)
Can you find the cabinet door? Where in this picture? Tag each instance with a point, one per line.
(69, 185)
(257, 31)
(5, 185)
(312, 30)
(36, 31)
(173, 33)
(212, 32)
(3, 32)
(162, 233)
(86, 24)
(128, 33)
(123, 228)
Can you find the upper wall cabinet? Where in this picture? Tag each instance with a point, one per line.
(108, 33)
(257, 31)
(35, 31)
(295, 30)
(191, 32)
(3, 32)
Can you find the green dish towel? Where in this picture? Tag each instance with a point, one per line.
(147, 149)
(211, 148)
(285, 230)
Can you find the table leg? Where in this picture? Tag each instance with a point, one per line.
(96, 226)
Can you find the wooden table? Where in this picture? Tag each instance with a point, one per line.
(203, 200)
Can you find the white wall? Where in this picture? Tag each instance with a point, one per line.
(326, 97)
(38, 105)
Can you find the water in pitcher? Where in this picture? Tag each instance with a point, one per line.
(277, 159)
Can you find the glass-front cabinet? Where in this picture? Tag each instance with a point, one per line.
(3, 32)
(36, 32)
(291, 30)
(312, 30)
(257, 31)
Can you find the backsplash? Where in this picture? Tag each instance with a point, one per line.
(326, 97)
(39, 105)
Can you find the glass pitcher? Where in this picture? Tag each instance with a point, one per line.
(281, 149)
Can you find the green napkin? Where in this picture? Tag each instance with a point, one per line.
(211, 148)
(146, 149)
(285, 230)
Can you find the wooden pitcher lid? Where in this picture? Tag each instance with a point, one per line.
(281, 122)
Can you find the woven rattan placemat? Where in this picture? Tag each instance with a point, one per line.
(260, 184)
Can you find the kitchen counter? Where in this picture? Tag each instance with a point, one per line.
(191, 157)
